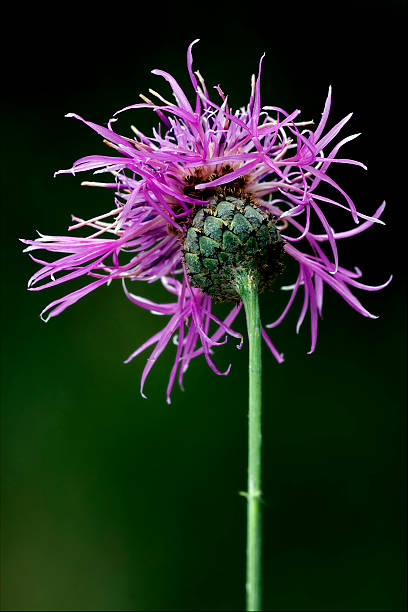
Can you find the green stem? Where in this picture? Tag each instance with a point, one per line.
(248, 290)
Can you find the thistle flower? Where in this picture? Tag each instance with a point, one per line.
(210, 192)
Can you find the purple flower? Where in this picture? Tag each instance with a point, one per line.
(197, 156)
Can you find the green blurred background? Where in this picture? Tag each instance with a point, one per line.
(109, 501)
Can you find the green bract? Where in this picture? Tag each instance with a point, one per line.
(232, 235)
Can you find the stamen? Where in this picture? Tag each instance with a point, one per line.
(152, 91)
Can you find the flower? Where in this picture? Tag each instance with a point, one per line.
(199, 156)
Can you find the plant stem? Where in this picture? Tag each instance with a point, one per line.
(248, 289)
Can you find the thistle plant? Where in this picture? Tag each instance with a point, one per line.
(211, 205)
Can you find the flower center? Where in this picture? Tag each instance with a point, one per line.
(233, 235)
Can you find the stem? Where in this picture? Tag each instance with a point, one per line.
(247, 287)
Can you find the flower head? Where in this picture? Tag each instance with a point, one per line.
(209, 189)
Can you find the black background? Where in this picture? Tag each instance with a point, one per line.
(110, 502)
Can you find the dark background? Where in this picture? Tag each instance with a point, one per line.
(110, 501)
